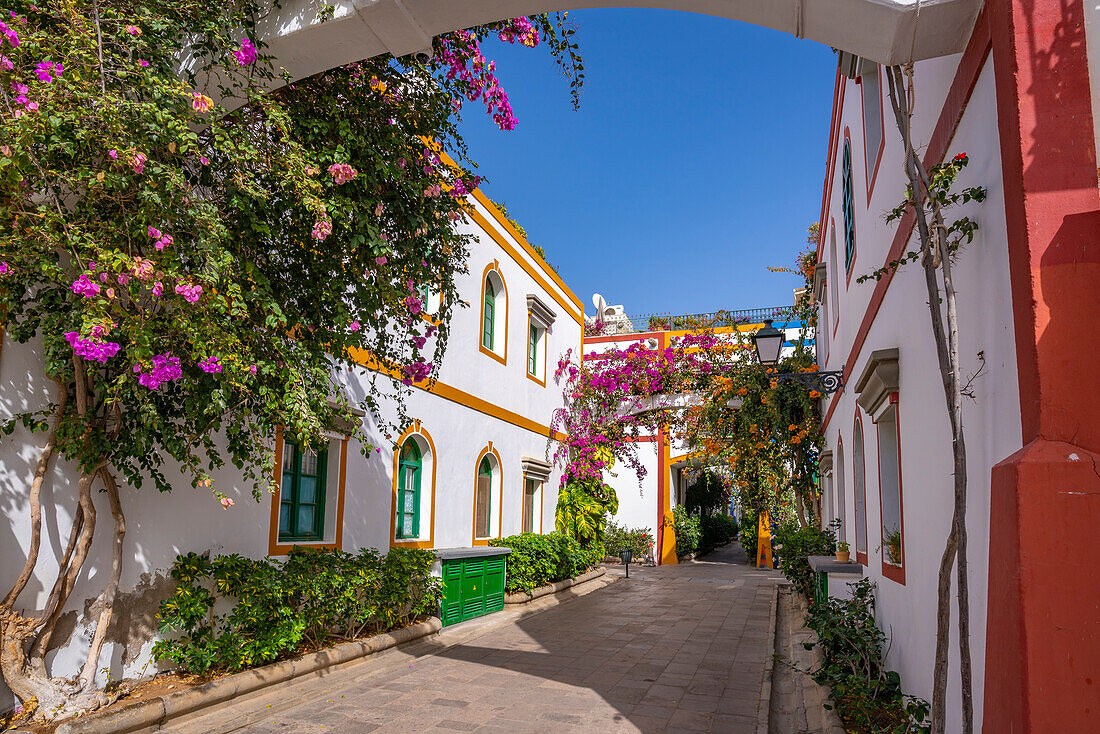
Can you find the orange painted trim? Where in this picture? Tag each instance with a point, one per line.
(681, 457)
(573, 310)
(418, 430)
(493, 267)
(364, 359)
(274, 547)
(507, 226)
(488, 450)
(545, 355)
(668, 539)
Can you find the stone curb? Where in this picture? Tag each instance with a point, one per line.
(157, 711)
(522, 597)
(764, 703)
(829, 717)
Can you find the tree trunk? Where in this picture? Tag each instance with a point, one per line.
(87, 676)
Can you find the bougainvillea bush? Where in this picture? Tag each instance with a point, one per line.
(192, 244)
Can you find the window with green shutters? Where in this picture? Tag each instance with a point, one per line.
(849, 208)
(533, 351)
(302, 494)
(408, 490)
(488, 315)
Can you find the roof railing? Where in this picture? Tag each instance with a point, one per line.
(670, 322)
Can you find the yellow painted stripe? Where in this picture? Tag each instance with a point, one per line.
(523, 263)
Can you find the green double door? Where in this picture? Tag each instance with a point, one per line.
(472, 587)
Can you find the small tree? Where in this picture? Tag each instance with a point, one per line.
(193, 275)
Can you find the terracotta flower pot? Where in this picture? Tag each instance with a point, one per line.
(843, 556)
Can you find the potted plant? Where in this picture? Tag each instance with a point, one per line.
(842, 553)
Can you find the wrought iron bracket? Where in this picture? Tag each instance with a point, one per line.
(826, 383)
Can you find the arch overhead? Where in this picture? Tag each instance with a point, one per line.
(879, 30)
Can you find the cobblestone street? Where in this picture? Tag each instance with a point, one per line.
(674, 648)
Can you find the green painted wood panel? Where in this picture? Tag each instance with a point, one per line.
(472, 587)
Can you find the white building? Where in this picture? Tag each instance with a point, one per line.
(473, 466)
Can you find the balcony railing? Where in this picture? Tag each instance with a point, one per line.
(668, 322)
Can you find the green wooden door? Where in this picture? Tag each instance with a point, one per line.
(472, 587)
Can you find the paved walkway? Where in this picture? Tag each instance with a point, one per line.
(674, 648)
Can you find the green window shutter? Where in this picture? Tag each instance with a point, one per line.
(302, 494)
(408, 490)
(487, 317)
(848, 204)
(533, 351)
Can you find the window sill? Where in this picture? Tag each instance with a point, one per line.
(537, 381)
(894, 573)
(491, 353)
(283, 547)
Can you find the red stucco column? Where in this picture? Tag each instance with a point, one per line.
(1042, 670)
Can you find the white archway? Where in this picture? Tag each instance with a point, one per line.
(879, 30)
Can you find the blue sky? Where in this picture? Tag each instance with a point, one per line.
(695, 161)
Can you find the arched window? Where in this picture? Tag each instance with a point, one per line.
(849, 208)
(489, 315)
(860, 491)
(483, 503)
(409, 470)
(842, 533)
(834, 268)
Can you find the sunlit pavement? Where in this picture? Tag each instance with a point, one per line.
(672, 648)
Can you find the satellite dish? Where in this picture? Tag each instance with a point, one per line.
(600, 303)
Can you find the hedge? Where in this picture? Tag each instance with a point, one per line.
(538, 560)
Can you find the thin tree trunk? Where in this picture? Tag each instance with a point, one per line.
(45, 458)
(87, 676)
(947, 354)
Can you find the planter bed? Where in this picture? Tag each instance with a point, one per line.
(522, 597)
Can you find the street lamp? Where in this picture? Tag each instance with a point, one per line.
(769, 341)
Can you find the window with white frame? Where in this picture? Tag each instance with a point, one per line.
(540, 319)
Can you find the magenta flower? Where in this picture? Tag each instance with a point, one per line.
(6, 63)
(414, 304)
(142, 63)
(201, 103)
(252, 369)
(210, 365)
(227, 503)
(158, 288)
(153, 232)
(91, 348)
(4, 268)
(354, 326)
(123, 278)
(246, 54)
(133, 30)
(322, 228)
(190, 293)
(138, 162)
(112, 154)
(85, 287)
(10, 34)
(46, 71)
(165, 368)
(381, 260)
(204, 160)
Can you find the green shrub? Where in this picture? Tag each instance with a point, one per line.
(716, 530)
(749, 526)
(686, 528)
(708, 494)
(638, 540)
(867, 696)
(537, 560)
(794, 543)
(275, 608)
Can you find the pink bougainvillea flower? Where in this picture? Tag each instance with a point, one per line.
(165, 368)
(153, 232)
(322, 228)
(227, 503)
(158, 288)
(354, 326)
(401, 163)
(190, 293)
(4, 268)
(414, 304)
(10, 34)
(378, 210)
(133, 30)
(252, 369)
(6, 63)
(112, 154)
(91, 348)
(210, 365)
(143, 268)
(381, 260)
(201, 103)
(163, 241)
(6, 150)
(246, 54)
(123, 278)
(85, 286)
(432, 191)
(138, 162)
(342, 172)
(142, 63)
(204, 160)
(46, 71)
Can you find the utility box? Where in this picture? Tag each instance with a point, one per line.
(831, 577)
(473, 582)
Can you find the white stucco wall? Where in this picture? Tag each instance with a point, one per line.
(486, 402)
(992, 418)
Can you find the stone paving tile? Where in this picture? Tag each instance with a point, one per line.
(674, 648)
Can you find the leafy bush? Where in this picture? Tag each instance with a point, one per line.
(794, 543)
(747, 537)
(275, 608)
(538, 560)
(867, 696)
(716, 530)
(686, 528)
(709, 493)
(638, 540)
